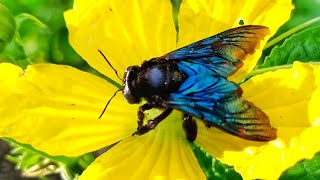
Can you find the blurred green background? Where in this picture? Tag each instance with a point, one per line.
(41, 44)
(40, 36)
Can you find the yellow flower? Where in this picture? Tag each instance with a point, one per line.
(55, 108)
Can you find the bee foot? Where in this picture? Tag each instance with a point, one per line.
(207, 125)
(141, 130)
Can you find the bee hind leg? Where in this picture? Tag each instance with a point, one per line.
(142, 129)
(190, 127)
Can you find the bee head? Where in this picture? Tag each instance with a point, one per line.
(130, 85)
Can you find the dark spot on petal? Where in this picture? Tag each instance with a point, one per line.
(241, 22)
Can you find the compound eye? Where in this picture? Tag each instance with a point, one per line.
(129, 86)
(131, 99)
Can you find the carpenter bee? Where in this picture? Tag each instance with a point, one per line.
(193, 80)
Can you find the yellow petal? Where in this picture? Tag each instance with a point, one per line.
(204, 18)
(290, 98)
(127, 32)
(162, 153)
(55, 108)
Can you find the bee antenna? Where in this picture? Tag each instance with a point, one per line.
(109, 102)
(110, 65)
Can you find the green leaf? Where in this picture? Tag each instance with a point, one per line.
(213, 168)
(20, 19)
(303, 17)
(33, 162)
(303, 46)
(304, 11)
(25, 16)
(282, 37)
(37, 44)
(305, 169)
(7, 27)
(175, 10)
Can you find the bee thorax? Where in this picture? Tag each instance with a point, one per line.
(156, 77)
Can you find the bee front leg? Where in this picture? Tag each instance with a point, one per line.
(140, 114)
(190, 127)
(141, 110)
(153, 123)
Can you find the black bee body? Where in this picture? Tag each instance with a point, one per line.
(153, 81)
(194, 80)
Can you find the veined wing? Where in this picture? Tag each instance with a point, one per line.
(218, 101)
(221, 54)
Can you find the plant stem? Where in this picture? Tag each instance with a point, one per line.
(66, 175)
(291, 31)
(274, 68)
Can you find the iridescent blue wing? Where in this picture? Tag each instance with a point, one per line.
(221, 54)
(208, 95)
(218, 101)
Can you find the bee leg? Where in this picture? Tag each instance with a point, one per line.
(190, 127)
(140, 114)
(207, 124)
(153, 123)
(141, 110)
